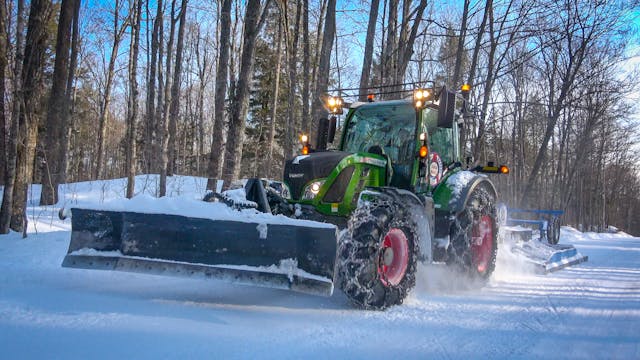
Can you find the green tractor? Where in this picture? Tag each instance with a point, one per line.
(396, 183)
(361, 216)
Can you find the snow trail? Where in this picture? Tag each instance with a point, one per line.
(46, 311)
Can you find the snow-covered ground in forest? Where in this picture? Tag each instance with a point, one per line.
(588, 311)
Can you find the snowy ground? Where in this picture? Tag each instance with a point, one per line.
(46, 311)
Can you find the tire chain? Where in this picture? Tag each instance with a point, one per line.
(237, 205)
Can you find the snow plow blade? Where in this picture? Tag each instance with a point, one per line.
(294, 257)
(544, 257)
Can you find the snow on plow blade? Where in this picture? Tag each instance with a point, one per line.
(295, 257)
(544, 257)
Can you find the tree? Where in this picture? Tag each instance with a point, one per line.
(322, 82)
(6, 211)
(253, 20)
(291, 41)
(460, 51)
(368, 50)
(305, 67)
(266, 161)
(132, 104)
(163, 127)
(567, 47)
(174, 108)
(58, 114)
(4, 45)
(399, 46)
(29, 101)
(222, 72)
(150, 116)
(118, 32)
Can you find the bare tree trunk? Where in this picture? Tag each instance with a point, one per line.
(118, 32)
(71, 79)
(316, 56)
(254, 18)
(132, 106)
(164, 123)
(203, 77)
(460, 51)
(399, 47)
(408, 39)
(566, 84)
(368, 50)
(292, 51)
(476, 50)
(390, 45)
(267, 159)
(222, 75)
(474, 64)
(10, 174)
(151, 118)
(323, 67)
(4, 47)
(156, 162)
(56, 121)
(174, 109)
(29, 101)
(305, 68)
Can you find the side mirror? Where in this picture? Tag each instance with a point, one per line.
(332, 129)
(323, 134)
(447, 108)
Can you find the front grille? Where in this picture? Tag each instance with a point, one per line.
(315, 166)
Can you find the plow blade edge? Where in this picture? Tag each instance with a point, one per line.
(295, 257)
(544, 257)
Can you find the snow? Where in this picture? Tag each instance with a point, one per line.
(288, 267)
(194, 208)
(458, 182)
(588, 311)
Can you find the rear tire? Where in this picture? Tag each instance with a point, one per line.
(474, 242)
(378, 255)
(553, 230)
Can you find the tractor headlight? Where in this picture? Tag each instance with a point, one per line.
(311, 190)
(421, 97)
(334, 104)
(285, 192)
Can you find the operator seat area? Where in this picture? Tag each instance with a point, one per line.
(396, 176)
(378, 150)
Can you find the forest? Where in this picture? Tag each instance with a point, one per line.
(223, 89)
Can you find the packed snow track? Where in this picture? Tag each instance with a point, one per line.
(46, 311)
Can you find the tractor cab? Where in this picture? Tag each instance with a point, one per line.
(387, 129)
(397, 130)
(417, 138)
(402, 144)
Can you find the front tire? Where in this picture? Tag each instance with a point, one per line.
(474, 244)
(378, 255)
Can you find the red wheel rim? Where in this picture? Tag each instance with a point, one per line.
(393, 257)
(482, 243)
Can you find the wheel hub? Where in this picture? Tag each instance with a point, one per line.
(393, 258)
(387, 256)
(482, 243)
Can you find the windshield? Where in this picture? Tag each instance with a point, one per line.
(390, 126)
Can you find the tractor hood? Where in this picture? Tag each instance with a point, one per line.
(302, 169)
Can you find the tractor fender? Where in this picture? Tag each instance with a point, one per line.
(389, 194)
(458, 203)
(451, 197)
(421, 207)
